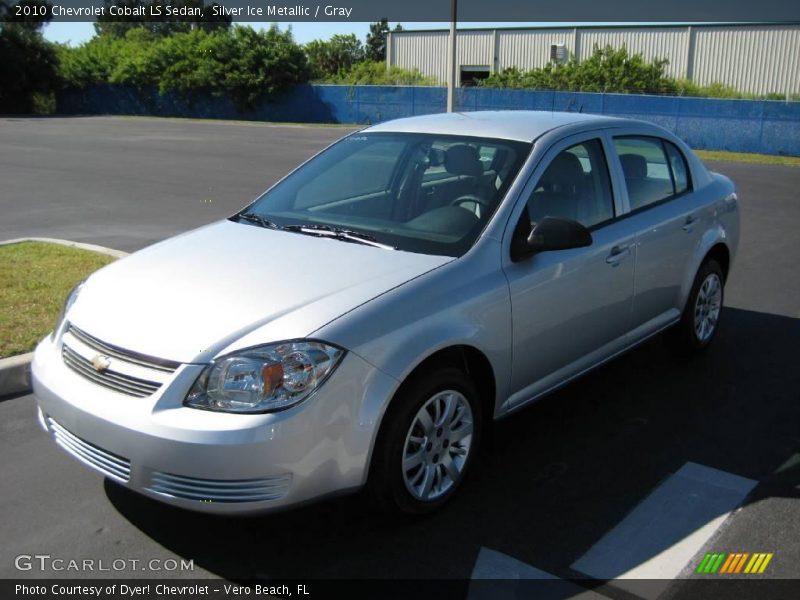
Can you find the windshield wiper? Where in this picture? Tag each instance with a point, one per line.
(339, 233)
(258, 220)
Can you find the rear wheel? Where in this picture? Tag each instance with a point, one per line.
(428, 442)
(700, 319)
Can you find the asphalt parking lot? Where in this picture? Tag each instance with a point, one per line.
(127, 182)
(552, 482)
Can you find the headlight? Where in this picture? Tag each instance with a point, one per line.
(71, 297)
(264, 379)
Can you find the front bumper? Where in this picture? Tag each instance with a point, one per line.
(216, 462)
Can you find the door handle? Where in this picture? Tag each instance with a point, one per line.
(617, 254)
(689, 223)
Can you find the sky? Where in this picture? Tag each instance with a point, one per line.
(76, 33)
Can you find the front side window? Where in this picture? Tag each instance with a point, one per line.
(424, 193)
(650, 176)
(574, 186)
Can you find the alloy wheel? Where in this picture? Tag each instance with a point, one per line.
(707, 307)
(437, 445)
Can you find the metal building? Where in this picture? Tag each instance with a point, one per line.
(755, 58)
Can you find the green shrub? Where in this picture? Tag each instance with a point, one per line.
(607, 70)
(245, 64)
(248, 66)
(720, 90)
(614, 71)
(376, 73)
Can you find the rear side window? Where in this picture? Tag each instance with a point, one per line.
(647, 173)
(575, 186)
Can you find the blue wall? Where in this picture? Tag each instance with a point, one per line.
(769, 127)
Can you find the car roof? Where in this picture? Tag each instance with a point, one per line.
(520, 125)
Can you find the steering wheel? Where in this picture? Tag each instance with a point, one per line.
(481, 205)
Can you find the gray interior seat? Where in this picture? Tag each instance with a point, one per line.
(463, 160)
(642, 190)
(561, 190)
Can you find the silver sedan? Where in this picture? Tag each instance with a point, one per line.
(364, 320)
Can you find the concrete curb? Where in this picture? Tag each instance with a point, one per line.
(15, 374)
(15, 371)
(71, 244)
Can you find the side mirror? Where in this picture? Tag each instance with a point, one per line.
(552, 233)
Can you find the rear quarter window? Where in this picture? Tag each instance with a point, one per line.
(679, 169)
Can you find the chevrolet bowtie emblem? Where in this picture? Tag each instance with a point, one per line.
(101, 362)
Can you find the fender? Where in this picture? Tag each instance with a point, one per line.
(724, 230)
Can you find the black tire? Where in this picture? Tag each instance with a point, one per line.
(683, 338)
(387, 486)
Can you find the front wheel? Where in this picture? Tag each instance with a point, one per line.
(428, 442)
(700, 319)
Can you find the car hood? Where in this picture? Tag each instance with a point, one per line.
(192, 296)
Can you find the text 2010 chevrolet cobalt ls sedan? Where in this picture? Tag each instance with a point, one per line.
(363, 320)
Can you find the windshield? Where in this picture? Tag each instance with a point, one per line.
(424, 193)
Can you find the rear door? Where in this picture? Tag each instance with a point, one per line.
(667, 222)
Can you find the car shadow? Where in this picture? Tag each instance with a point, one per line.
(550, 482)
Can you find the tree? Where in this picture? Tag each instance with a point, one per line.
(240, 63)
(376, 39)
(336, 55)
(118, 26)
(108, 59)
(39, 13)
(27, 60)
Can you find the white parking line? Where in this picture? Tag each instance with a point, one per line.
(493, 565)
(657, 538)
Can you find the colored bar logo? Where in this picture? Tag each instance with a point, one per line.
(735, 562)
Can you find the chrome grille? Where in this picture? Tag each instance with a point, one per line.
(124, 384)
(127, 372)
(131, 357)
(220, 490)
(108, 464)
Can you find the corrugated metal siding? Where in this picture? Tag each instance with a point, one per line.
(475, 48)
(752, 58)
(653, 42)
(530, 49)
(755, 59)
(425, 51)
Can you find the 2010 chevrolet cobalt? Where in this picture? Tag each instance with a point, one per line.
(363, 320)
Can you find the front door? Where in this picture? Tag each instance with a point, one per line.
(570, 307)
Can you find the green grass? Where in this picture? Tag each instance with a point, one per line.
(745, 157)
(36, 278)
